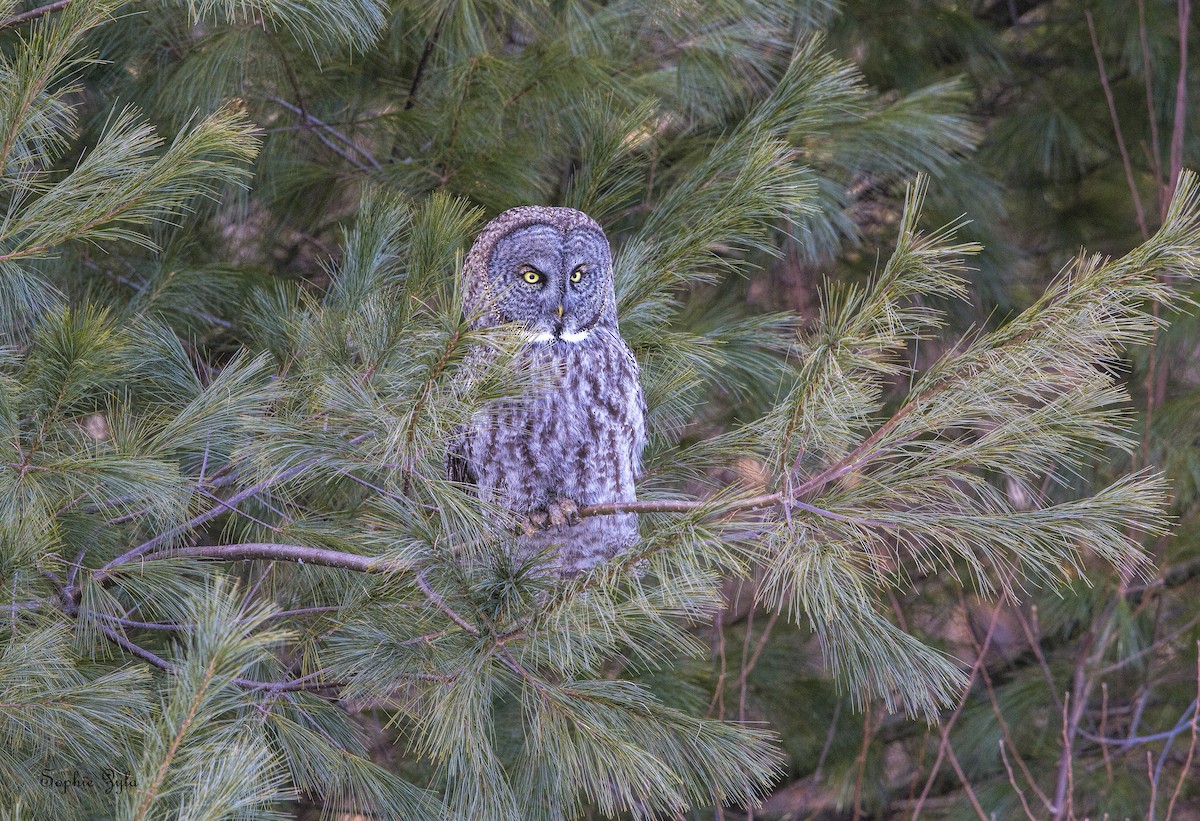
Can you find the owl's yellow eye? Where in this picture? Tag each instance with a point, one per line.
(577, 274)
(531, 276)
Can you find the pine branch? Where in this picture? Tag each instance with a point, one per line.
(264, 552)
(307, 683)
(128, 556)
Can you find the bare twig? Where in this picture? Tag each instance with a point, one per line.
(1064, 796)
(758, 647)
(1187, 764)
(1013, 781)
(720, 510)
(306, 683)
(440, 604)
(860, 763)
(142, 625)
(718, 697)
(267, 551)
(33, 604)
(1112, 111)
(833, 723)
(962, 777)
(238, 511)
(1156, 645)
(1007, 734)
(1036, 647)
(1188, 719)
(1155, 142)
(212, 513)
(1181, 98)
(1108, 768)
(1153, 785)
(946, 725)
(426, 53)
(742, 665)
(1126, 742)
(309, 121)
(33, 14)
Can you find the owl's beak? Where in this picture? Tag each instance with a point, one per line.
(560, 311)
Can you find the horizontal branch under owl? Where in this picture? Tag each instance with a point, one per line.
(322, 557)
(151, 550)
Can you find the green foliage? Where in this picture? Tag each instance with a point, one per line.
(233, 355)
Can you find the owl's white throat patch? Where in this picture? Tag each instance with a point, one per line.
(566, 336)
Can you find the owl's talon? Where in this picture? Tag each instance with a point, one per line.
(534, 521)
(563, 512)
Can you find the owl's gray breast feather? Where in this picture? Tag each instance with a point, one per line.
(580, 436)
(579, 439)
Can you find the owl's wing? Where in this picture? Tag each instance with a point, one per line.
(637, 421)
(458, 467)
(458, 463)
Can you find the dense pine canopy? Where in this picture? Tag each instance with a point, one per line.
(918, 515)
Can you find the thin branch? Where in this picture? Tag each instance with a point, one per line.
(1064, 796)
(140, 287)
(1177, 127)
(742, 665)
(212, 513)
(1187, 764)
(142, 625)
(444, 177)
(1156, 645)
(305, 611)
(1155, 141)
(1178, 575)
(238, 511)
(1108, 768)
(1112, 112)
(33, 14)
(962, 777)
(307, 683)
(949, 723)
(426, 53)
(141, 652)
(309, 120)
(1188, 719)
(1153, 785)
(1013, 781)
(1036, 647)
(721, 510)
(1007, 734)
(860, 762)
(267, 551)
(833, 723)
(748, 666)
(1132, 741)
(440, 604)
(718, 696)
(33, 604)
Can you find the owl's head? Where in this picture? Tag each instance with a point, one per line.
(548, 269)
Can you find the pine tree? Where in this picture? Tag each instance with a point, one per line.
(1087, 118)
(236, 582)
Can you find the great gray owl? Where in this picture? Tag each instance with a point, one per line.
(579, 440)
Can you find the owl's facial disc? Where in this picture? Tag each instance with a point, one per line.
(557, 285)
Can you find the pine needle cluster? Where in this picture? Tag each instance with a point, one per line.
(230, 557)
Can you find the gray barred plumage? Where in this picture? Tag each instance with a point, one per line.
(578, 441)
